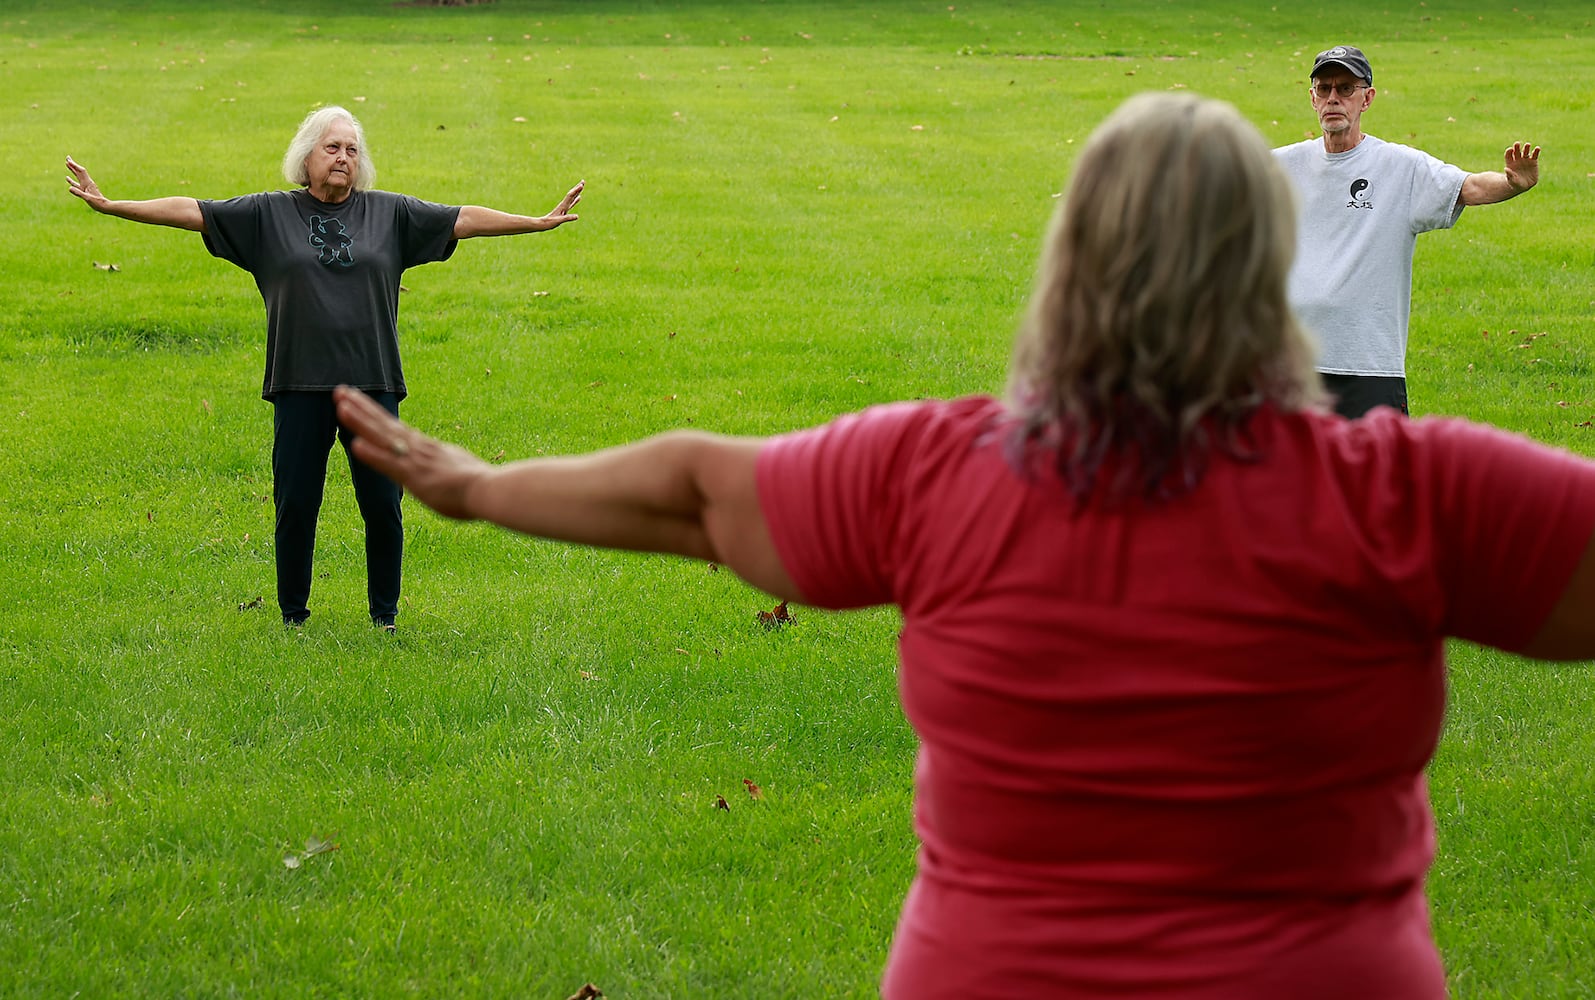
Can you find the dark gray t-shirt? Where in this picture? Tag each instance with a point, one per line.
(329, 275)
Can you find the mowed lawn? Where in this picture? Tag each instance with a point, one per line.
(793, 210)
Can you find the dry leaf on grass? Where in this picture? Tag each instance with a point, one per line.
(313, 847)
(754, 791)
(776, 617)
(587, 992)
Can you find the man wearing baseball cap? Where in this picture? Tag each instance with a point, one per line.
(1363, 202)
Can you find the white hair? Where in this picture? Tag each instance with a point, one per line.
(311, 131)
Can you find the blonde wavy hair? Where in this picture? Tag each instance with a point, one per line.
(1159, 324)
(311, 131)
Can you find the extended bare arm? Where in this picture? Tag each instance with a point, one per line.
(1520, 171)
(177, 212)
(474, 220)
(684, 492)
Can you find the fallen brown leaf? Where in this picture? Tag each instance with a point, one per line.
(776, 617)
(587, 992)
(754, 791)
(720, 803)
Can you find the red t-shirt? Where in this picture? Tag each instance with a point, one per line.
(1176, 749)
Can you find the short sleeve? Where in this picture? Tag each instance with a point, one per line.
(1436, 193)
(426, 230)
(233, 228)
(832, 497)
(1513, 519)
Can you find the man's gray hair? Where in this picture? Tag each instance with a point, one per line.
(311, 131)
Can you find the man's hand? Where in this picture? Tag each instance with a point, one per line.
(1520, 172)
(1522, 166)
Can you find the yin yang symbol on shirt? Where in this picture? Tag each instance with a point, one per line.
(332, 240)
(1358, 186)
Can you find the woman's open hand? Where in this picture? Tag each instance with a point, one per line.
(437, 474)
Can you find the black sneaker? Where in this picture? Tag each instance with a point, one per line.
(294, 621)
(385, 623)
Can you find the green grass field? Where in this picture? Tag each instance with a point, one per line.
(793, 210)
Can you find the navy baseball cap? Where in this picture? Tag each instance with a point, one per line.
(1348, 56)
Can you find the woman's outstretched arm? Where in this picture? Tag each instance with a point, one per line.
(177, 212)
(685, 492)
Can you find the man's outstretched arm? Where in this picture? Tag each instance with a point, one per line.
(1520, 171)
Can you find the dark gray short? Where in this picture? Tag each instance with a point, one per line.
(1355, 395)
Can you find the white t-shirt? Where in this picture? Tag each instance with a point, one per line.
(1361, 213)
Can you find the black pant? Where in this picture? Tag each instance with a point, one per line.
(1355, 395)
(304, 426)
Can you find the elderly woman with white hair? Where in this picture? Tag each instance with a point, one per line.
(1173, 635)
(327, 258)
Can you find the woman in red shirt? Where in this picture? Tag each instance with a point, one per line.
(1173, 634)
